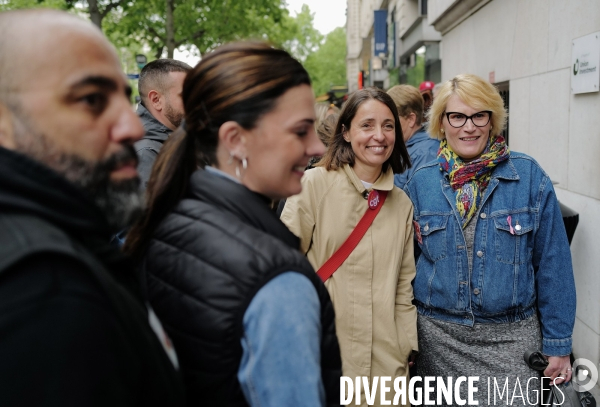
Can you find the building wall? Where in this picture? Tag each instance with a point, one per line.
(408, 13)
(412, 30)
(436, 8)
(353, 44)
(529, 43)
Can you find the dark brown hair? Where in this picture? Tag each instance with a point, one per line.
(340, 151)
(236, 82)
(155, 73)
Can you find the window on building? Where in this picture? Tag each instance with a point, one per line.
(423, 7)
(423, 65)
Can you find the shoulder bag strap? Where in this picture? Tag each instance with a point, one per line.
(341, 254)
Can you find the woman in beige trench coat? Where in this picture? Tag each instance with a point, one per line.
(371, 291)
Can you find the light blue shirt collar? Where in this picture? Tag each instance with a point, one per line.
(220, 173)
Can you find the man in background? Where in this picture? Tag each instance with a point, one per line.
(74, 328)
(421, 148)
(426, 89)
(161, 109)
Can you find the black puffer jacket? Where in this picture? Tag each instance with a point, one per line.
(204, 265)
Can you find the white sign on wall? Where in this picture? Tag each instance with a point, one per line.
(585, 68)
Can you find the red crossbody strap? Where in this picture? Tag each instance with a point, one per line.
(336, 260)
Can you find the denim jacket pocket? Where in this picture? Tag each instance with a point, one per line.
(433, 233)
(513, 236)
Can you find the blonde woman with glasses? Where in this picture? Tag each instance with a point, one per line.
(494, 276)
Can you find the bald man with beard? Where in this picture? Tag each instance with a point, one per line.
(75, 329)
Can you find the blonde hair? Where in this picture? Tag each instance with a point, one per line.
(475, 92)
(408, 100)
(321, 109)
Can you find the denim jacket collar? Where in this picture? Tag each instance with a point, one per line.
(417, 137)
(506, 170)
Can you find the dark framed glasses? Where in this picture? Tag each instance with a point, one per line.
(479, 119)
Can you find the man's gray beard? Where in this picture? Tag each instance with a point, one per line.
(121, 202)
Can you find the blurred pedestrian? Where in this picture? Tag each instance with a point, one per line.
(494, 277)
(426, 89)
(325, 131)
(421, 148)
(371, 289)
(75, 330)
(161, 109)
(252, 323)
(324, 110)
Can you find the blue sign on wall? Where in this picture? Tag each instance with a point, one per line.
(380, 29)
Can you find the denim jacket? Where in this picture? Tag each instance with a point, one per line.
(422, 149)
(517, 268)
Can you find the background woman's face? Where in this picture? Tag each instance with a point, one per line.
(372, 134)
(467, 141)
(281, 144)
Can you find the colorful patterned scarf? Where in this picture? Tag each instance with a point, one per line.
(470, 179)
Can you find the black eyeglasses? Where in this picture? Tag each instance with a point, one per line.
(479, 119)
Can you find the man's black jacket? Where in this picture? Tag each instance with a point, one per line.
(74, 329)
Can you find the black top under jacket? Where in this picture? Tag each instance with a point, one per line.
(74, 329)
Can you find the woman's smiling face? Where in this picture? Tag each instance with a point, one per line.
(372, 135)
(467, 141)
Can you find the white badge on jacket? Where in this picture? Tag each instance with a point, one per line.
(163, 338)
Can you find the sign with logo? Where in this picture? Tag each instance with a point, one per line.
(380, 30)
(585, 60)
(141, 60)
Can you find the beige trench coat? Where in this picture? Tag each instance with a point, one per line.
(371, 292)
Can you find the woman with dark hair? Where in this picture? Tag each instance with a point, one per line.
(371, 290)
(251, 322)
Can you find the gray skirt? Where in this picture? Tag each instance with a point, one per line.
(494, 352)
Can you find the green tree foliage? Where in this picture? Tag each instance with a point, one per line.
(416, 74)
(153, 26)
(21, 4)
(297, 34)
(96, 10)
(203, 23)
(327, 65)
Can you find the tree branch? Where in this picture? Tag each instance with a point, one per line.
(156, 34)
(194, 36)
(111, 6)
